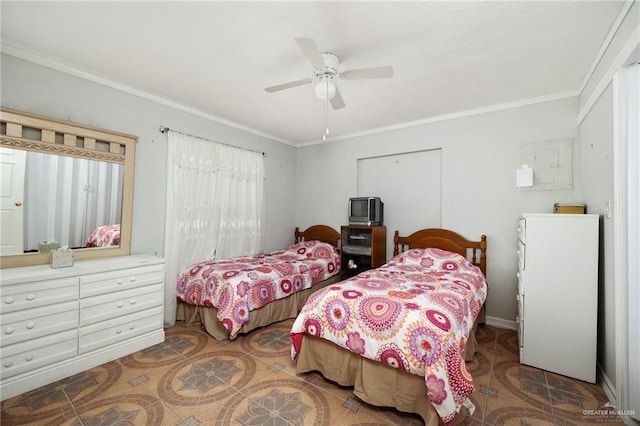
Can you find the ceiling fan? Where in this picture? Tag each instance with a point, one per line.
(326, 69)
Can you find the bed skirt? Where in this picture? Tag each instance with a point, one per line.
(276, 311)
(372, 382)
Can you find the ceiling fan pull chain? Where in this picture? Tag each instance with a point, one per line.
(326, 114)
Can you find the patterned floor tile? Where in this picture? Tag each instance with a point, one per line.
(284, 401)
(207, 378)
(480, 369)
(67, 418)
(507, 347)
(272, 348)
(192, 379)
(128, 409)
(204, 414)
(479, 400)
(36, 406)
(95, 383)
(501, 411)
(512, 381)
(486, 335)
(580, 402)
(269, 342)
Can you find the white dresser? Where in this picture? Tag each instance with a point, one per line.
(58, 322)
(558, 293)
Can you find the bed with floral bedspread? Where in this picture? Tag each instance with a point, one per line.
(236, 287)
(414, 314)
(104, 236)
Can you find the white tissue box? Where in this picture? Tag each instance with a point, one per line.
(61, 258)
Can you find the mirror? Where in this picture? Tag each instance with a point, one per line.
(67, 201)
(63, 184)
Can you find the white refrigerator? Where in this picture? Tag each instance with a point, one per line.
(558, 293)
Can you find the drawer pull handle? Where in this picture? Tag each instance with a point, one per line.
(8, 330)
(9, 300)
(132, 327)
(29, 357)
(120, 305)
(120, 281)
(132, 279)
(30, 325)
(118, 331)
(132, 301)
(31, 296)
(8, 364)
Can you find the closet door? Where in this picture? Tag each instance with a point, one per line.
(407, 183)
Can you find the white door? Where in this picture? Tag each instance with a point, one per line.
(410, 185)
(12, 165)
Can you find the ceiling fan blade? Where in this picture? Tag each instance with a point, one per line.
(288, 85)
(310, 49)
(364, 73)
(337, 102)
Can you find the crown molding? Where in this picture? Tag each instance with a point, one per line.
(49, 63)
(453, 116)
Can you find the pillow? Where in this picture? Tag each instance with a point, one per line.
(433, 259)
(313, 249)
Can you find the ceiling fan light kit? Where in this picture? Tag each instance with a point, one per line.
(326, 68)
(325, 90)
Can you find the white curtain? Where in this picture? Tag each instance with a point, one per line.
(66, 198)
(214, 206)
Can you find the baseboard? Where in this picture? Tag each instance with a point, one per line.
(607, 386)
(501, 323)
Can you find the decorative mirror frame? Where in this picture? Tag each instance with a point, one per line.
(75, 140)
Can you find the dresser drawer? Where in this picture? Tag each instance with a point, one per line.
(521, 256)
(522, 230)
(41, 293)
(521, 288)
(106, 333)
(34, 323)
(520, 300)
(520, 324)
(108, 282)
(107, 306)
(520, 319)
(18, 359)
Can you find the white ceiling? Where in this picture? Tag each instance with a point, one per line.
(216, 58)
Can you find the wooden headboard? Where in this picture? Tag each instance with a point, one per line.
(318, 232)
(444, 239)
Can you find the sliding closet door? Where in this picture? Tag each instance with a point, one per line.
(410, 185)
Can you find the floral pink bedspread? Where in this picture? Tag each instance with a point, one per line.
(240, 285)
(104, 236)
(415, 313)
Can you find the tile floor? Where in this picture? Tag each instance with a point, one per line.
(191, 379)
